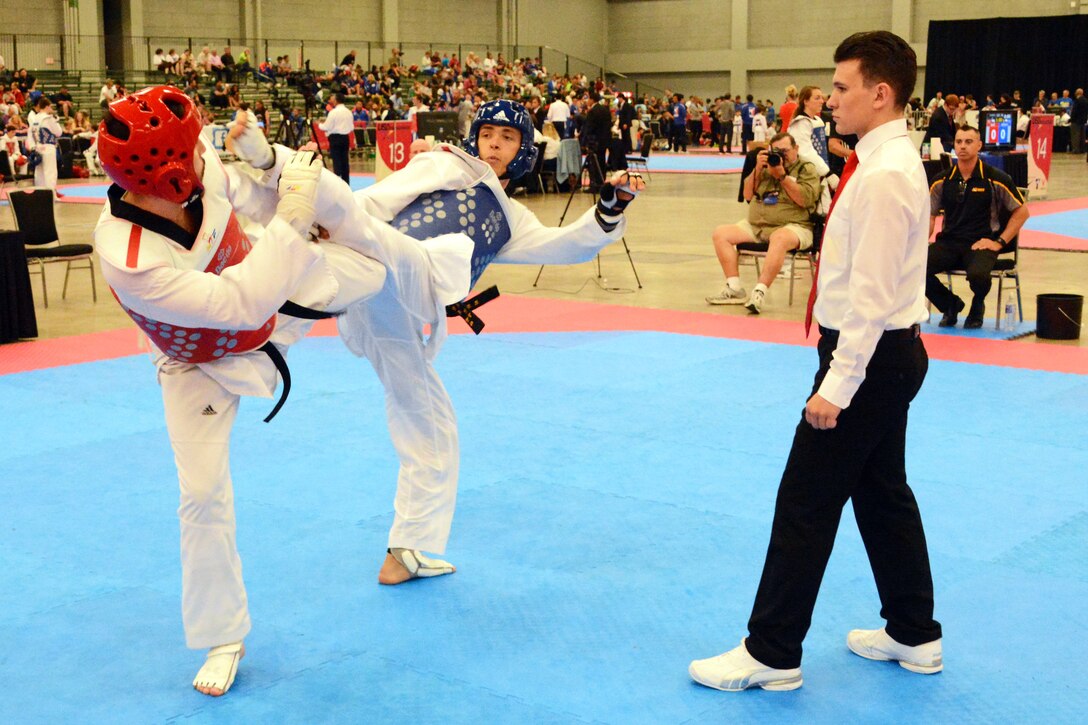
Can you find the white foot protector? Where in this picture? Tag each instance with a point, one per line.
(420, 566)
(220, 668)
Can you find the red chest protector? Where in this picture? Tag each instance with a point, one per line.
(202, 344)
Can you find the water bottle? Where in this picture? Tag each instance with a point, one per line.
(925, 150)
(1011, 315)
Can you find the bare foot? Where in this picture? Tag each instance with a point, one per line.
(394, 572)
(217, 674)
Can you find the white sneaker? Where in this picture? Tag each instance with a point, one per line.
(877, 644)
(737, 670)
(755, 302)
(787, 269)
(729, 296)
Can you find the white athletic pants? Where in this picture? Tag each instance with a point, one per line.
(199, 418)
(45, 173)
(388, 330)
(422, 424)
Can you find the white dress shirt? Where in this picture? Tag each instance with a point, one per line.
(873, 258)
(339, 121)
(558, 111)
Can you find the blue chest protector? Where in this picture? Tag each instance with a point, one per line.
(475, 212)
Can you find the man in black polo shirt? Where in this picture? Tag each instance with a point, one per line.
(975, 198)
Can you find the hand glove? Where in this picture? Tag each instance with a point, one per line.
(610, 206)
(298, 190)
(251, 146)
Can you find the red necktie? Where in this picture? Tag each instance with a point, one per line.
(847, 172)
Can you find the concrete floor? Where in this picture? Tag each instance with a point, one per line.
(669, 237)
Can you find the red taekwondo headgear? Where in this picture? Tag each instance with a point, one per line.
(146, 144)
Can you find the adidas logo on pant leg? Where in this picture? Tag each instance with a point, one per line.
(209, 411)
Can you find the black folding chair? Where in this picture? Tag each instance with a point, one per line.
(641, 161)
(34, 217)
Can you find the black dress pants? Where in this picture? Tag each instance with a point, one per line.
(947, 255)
(338, 151)
(860, 460)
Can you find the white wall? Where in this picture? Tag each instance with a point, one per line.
(468, 22)
(40, 16)
(578, 27)
(758, 46)
(669, 25)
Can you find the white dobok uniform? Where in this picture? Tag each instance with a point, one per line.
(42, 137)
(422, 423)
(207, 309)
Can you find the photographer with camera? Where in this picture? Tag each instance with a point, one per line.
(782, 192)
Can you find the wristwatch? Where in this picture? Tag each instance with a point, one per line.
(1001, 241)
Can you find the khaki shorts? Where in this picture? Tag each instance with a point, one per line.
(804, 234)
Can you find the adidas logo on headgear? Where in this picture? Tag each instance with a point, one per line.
(209, 411)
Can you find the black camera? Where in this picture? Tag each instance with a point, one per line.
(774, 158)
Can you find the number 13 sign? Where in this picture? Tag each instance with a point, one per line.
(393, 139)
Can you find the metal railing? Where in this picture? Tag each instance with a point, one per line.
(86, 53)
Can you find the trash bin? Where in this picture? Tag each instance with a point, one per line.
(1058, 316)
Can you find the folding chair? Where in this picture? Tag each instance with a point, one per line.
(34, 217)
(640, 162)
(758, 250)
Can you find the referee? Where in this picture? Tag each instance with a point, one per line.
(337, 125)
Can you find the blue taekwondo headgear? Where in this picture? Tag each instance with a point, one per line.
(514, 115)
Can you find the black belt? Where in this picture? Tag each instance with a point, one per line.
(464, 308)
(281, 366)
(273, 353)
(295, 310)
(908, 333)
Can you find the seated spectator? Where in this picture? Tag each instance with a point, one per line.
(359, 114)
(158, 60)
(186, 64)
(193, 91)
(243, 67)
(108, 93)
(13, 97)
(266, 72)
(219, 96)
(973, 196)
(234, 96)
(215, 65)
(16, 159)
(62, 99)
(170, 62)
(550, 138)
(263, 117)
(228, 65)
(782, 198)
(83, 122)
(203, 62)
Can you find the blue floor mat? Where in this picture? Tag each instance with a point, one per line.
(707, 163)
(1070, 223)
(614, 509)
